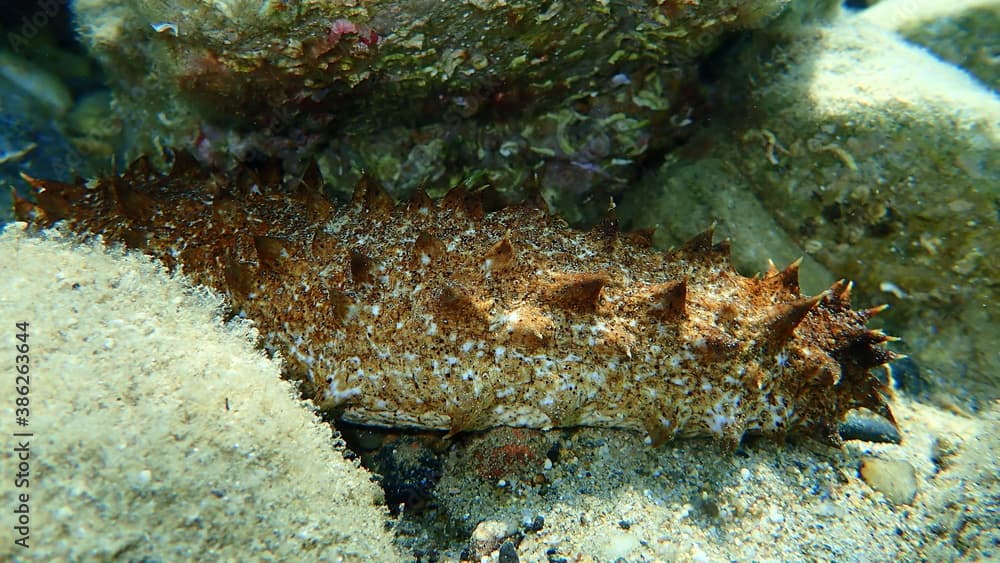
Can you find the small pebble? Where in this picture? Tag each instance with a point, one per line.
(942, 449)
(828, 510)
(536, 524)
(895, 479)
(508, 553)
(143, 478)
(775, 515)
(487, 537)
(617, 545)
(863, 425)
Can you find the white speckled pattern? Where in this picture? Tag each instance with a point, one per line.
(442, 316)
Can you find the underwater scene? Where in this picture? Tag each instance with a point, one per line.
(500, 280)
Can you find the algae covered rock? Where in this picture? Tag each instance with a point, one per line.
(884, 163)
(965, 33)
(160, 433)
(579, 94)
(686, 194)
(288, 62)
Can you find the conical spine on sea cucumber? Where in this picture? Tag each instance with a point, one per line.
(443, 315)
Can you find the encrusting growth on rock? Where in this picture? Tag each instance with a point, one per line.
(441, 315)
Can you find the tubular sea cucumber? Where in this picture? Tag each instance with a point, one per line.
(440, 315)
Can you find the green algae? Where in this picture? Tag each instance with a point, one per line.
(576, 93)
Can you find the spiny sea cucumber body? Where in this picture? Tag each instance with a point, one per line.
(440, 315)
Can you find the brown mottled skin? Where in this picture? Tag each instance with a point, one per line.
(439, 315)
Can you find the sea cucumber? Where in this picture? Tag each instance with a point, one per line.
(442, 315)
